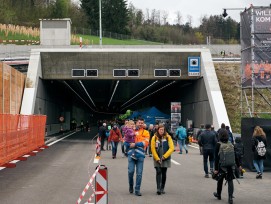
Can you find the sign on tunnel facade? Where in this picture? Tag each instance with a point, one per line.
(111, 65)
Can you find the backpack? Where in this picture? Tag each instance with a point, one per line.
(239, 149)
(182, 133)
(260, 148)
(226, 155)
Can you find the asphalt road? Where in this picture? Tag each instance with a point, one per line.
(59, 174)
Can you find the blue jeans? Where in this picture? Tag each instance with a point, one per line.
(114, 148)
(258, 164)
(182, 145)
(208, 153)
(139, 171)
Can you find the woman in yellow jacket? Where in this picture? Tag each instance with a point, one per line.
(162, 147)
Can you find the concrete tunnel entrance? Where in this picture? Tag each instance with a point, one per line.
(53, 90)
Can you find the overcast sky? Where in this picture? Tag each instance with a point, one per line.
(196, 8)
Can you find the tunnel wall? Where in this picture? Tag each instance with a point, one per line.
(52, 102)
(195, 104)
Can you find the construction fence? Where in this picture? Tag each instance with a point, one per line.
(19, 135)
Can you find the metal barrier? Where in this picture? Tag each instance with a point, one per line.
(19, 135)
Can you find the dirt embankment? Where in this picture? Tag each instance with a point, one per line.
(228, 75)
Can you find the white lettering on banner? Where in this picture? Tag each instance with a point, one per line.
(263, 19)
(263, 13)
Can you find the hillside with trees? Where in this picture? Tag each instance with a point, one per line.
(125, 20)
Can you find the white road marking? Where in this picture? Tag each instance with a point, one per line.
(174, 162)
(14, 161)
(193, 146)
(60, 139)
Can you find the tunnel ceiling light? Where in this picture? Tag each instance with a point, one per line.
(87, 93)
(113, 92)
(150, 94)
(79, 96)
(140, 92)
(78, 73)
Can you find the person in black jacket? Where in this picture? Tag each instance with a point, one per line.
(207, 141)
(226, 173)
(258, 136)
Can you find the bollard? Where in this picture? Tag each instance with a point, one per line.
(101, 186)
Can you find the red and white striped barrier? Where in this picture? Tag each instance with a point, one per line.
(98, 146)
(88, 185)
(101, 185)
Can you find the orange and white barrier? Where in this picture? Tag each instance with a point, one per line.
(101, 187)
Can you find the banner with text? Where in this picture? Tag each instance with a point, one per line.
(261, 21)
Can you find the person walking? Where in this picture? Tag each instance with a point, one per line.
(114, 138)
(259, 150)
(181, 138)
(162, 147)
(102, 135)
(225, 164)
(239, 153)
(141, 141)
(198, 137)
(151, 131)
(208, 141)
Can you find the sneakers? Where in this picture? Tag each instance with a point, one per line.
(206, 176)
(180, 152)
(131, 189)
(137, 193)
(133, 157)
(217, 196)
(259, 175)
(158, 192)
(150, 155)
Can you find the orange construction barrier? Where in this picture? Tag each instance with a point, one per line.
(19, 135)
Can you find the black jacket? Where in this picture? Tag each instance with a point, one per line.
(207, 139)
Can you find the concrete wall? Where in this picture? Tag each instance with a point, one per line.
(55, 31)
(195, 104)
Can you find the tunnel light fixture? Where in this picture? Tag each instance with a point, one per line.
(119, 72)
(149, 94)
(113, 92)
(160, 73)
(133, 72)
(87, 93)
(140, 92)
(92, 72)
(174, 72)
(78, 72)
(79, 96)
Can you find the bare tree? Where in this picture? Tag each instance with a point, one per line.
(189, 20)
(179, 18)
(165, 17)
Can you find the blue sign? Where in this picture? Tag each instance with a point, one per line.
(193, 66)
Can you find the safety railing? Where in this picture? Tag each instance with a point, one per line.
(19, 135)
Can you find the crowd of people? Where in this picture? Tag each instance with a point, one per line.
(224, 153)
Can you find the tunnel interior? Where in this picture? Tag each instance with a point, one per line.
(116, 96)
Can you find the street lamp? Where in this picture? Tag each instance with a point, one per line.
(224, 14)
(100, 22)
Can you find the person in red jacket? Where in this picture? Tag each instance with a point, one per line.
(114, 138)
